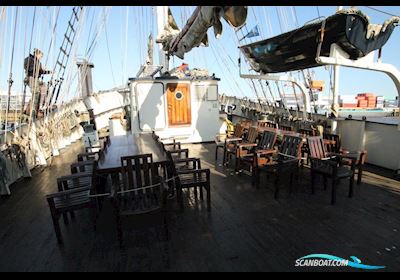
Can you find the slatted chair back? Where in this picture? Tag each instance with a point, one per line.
(252, 135)
(78, 180)
(171, 146)
(266, 123)
(335, 144)
(271, 124)
(88, 156)
(291, 145)
(238, 131)
(74, 194)
(83, 166)
(267, 140)
(246, 123)
(285, 127)
(137, 171)
(316, 147)
(142, 192)
(307, 132)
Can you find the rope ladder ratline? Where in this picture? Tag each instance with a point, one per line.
(63, 58)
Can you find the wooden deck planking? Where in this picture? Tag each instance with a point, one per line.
(247, 230)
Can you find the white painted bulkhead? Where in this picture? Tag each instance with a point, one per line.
(380, 140)
(149, 109)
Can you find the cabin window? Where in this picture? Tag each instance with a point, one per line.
(178, 95)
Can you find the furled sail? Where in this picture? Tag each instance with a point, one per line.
(297, 49)
(176, 42)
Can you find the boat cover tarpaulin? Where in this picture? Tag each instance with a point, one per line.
(194, 33)
(297, 49)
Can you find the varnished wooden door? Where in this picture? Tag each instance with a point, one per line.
(179, 105)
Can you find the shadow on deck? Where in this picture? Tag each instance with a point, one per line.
(247, 230)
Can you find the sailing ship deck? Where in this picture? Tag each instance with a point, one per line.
(247, 230)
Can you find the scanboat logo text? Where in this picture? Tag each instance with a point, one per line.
(330, 260)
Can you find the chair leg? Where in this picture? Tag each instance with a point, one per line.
(237, 164)
(57, 227)
(359, 174)
(216, 152)
(325, 183)
(224, 159)
(201, 192)
(333, 199)
(65, 218)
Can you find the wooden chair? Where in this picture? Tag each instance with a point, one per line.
(285, 127)
(285, 161)
(234, 147)
(333, 145)
(266, 123)
(74, 191)
(221, 140)
(142, 194)
(190, 178)
(266, 142)
(305, 132)
(332, 142)
(90, 156)
(83, 166)
(246, 123)
(328, 165)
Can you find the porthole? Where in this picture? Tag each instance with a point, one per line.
(179, 95)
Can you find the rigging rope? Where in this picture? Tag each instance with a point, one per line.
(10, 80)
(109, 57)
(383, 12)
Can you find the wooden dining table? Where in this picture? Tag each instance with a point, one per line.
(129, 145)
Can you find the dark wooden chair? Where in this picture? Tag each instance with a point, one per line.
(329, 166)
(171, 146)
(332, 142)
(90, 156)
(74, 194)
(83, 166)
(333, 145)
(266, 123)
(266, 142)
(305, 132)
(232, 148)
(141, 195)
(190, 178)
(221, 140)
(286, 127)
(284, 162)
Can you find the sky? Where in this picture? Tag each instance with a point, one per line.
(115, 40)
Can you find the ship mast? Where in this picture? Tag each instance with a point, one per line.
(162, 20)
(335, 95)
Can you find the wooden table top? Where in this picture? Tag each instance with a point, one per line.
(129, 145)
